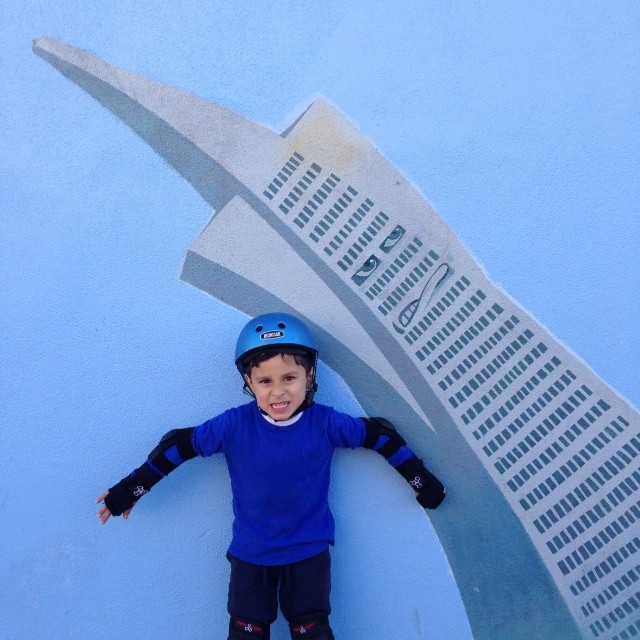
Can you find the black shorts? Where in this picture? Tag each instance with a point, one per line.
(299, 588)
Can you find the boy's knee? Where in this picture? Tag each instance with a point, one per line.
(241, 628)
(314, 626)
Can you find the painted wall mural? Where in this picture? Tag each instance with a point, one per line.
(539, 455)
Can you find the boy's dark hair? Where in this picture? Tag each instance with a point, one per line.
(301, 358)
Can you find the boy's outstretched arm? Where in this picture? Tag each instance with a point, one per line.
(174, 448)
(381, 436)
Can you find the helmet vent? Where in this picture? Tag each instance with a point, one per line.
(259, 328)
(281, 325)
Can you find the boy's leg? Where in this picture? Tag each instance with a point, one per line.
(305, 597)
(252, 602)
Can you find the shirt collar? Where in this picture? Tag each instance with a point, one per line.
(283, 423)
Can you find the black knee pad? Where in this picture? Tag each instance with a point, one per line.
(241, 628)
(313, 625)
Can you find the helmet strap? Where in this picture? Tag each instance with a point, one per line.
(246, 389)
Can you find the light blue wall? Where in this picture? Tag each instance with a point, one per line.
(520, 126)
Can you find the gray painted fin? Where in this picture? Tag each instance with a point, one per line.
(204, 142)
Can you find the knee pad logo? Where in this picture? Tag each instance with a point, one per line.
(249, 627)
(303, 629)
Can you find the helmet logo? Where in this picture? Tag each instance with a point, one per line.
(270, 335)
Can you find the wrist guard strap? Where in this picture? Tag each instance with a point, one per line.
(174, 448)
(381, 436)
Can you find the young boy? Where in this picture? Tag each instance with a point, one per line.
(278, 451)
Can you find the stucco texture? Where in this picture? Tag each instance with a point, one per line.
(518, 123)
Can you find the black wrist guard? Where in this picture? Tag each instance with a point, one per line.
(174, 449)
(430, 490)
(124, 495)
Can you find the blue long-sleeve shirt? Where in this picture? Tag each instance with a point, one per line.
(279, 478)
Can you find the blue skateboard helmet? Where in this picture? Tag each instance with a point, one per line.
(273, 332)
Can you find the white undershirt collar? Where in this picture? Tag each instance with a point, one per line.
(283, 423)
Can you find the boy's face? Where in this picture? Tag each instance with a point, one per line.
(279, 385)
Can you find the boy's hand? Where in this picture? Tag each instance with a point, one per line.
(103, 513)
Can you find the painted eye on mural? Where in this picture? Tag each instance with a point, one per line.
(392, 239)
(366, 270)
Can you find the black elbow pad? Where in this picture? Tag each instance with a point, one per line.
(382, 436)
(174, 448)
